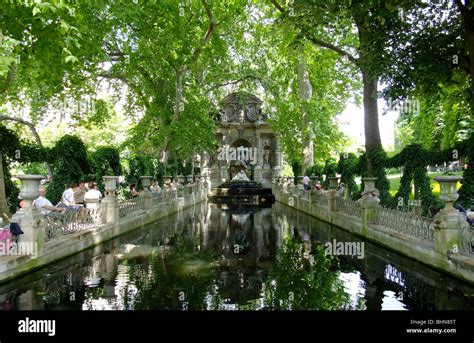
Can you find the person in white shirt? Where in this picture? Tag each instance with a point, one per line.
(79, 193)
(68, 195)
(306, 183)
(93, 193)
(44, 205)
(341, 190)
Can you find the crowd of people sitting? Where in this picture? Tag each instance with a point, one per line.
(76, 195)
(340, 190)
(72, 199)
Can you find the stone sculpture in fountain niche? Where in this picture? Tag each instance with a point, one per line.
(240, 176)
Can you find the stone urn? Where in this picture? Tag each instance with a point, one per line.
(181, 179)
(146, 181)
(370, 195)
(333, 182)
(450, 224)
(448, 191)
(189, 178)
(369, 184)
(110, 184)
(29, 188)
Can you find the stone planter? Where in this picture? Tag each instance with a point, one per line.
(369, 184)
(110, 184)
(181, 179)
(449, 222)
(448, 191)
(166, 179)
(146, 181)
(333, 182)
(29, 188)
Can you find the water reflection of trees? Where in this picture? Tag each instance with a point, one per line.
(180, 280)
(299, 282)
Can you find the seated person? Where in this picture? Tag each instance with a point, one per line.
(68, 199)
(462, 210)
(79, 194)
(306, 183)
(341, 190)
(133, 190)
(317, 186)
(44, 205)
(93, 193)
(155, 187)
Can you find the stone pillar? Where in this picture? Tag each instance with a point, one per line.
(110, 203)
(368, 202)
(333, 180)
(167, 179)
(223, 174)
(277, 169)
(146, 182)
(257, 172)
(449, 222)
(291, 185)
(29, 218)
(258, 229)
(205, 163)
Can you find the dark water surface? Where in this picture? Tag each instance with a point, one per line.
(211, 258)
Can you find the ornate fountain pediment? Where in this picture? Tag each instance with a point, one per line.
(240, 107)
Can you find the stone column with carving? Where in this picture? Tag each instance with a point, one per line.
(29, 218)
(257, 174)
(277, 169)
(146, 194)
(449, 222)
(333, 181)
(110, 203)
(205, 160)
(369, 201)
(220, 171)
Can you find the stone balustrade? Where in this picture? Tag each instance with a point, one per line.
(62, 234)
(445, 241)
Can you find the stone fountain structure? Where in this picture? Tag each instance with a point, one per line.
(249, 153)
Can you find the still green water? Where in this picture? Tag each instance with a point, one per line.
(207, 258)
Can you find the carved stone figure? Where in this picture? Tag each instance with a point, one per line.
(240, 176)
(266, 156)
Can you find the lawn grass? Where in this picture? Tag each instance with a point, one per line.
(395, 182)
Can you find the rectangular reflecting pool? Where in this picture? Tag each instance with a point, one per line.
(209, 258)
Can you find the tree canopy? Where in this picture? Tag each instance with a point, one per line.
(155, 71)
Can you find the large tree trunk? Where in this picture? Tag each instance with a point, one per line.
(471, 67)
(467, 14)
(371, 113)
(370, 80)
(371, 118)
(3, 197)
(305, 93)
